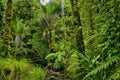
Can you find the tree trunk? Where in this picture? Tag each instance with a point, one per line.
(77, 24)
(8, 25)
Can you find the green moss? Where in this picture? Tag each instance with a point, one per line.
(7, 28)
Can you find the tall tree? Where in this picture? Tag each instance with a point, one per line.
(8, 25)
(50, 12)
(77, 24)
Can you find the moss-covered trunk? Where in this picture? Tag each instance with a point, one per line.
(77, 24)
(7, 27)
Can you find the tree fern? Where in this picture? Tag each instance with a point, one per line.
(102, 66)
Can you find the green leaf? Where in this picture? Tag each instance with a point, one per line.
(18, 26)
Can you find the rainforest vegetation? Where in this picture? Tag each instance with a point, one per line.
(59, 39)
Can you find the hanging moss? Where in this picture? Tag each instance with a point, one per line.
(7, 27)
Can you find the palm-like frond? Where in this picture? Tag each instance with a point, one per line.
(51, 8)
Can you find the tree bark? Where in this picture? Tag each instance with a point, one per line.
(77, 23)
(7, 27)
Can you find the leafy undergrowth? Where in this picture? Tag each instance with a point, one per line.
(12, 69)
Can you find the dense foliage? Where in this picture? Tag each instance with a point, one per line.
(60, 40)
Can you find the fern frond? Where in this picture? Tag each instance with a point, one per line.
(115, 75)
(84, 57)
(50, 56)
(59, 56)
(103, 65)
(73, 67)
